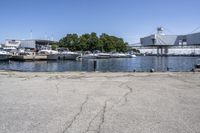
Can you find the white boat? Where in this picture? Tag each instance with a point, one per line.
(122, 55)
(4, 55)
(133, 56)
(51, 54)
(89, 56)
(55, 55)
(103, 56)
(67, 55)
(47, 52)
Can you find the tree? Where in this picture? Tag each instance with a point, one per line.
(70, 41)
(55, 46)
(91, 42)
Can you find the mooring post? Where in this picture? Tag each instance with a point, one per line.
(95, 65)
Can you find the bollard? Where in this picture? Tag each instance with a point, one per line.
(134, 70)
(95, 65)
(168, 68)
(152, 70)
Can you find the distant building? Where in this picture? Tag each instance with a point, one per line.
(160, 39)
(34, 44)
(161, 44)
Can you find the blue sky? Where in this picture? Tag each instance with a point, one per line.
(130, 19)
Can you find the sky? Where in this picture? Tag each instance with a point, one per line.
(129, 19)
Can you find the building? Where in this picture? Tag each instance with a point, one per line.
(11, 44)
(161, 44)
(34, 44)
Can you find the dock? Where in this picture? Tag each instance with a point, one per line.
(28, 57)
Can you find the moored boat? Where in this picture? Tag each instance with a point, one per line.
(68, 55)
(51, 54)
(122, 55)
(4, 55)
(103, 56)
(89, 55)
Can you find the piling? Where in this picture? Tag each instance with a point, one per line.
(95, 65)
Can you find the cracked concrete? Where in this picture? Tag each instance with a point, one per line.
(102, 117)
(76, 116)
(99, 102)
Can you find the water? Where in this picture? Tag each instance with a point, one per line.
(140, 63)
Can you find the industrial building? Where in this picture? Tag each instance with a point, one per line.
(162, 44)
(34, 44)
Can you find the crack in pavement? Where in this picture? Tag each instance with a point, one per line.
(76, 116)
(127, 94)
(90, 123)
(102, 111)
(102, 117)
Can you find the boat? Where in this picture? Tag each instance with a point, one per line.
(122, 55)
(51, 54)
(27, 56)
(47, 52)
(89, 55)
(133, 55)
(103, 56)
(68, 55)
(4, 55)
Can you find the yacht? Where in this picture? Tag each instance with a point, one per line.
(4, 55)
(51, 54)
(89, 55)
(103, 56)
(122, 55)
(68, 55)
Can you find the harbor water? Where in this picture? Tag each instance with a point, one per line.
(138, 64)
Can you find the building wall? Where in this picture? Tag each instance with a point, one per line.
(174, 50)
(158, 39)
(28, 44)
(146, 41)
(12, 43)
(169, 40)
(193, 39)
(166, 39)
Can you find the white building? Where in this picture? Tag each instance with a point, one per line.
(11, 44)
(34, 44)
(161, 44)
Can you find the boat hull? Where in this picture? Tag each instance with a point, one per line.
(62, 56)
(4, 57)
(28, 57)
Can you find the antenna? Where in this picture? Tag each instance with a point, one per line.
(45, 36)
(52, 37)
(31, 35)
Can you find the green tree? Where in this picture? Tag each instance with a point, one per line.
(70, 41)
(55, 46)
(91, 42)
